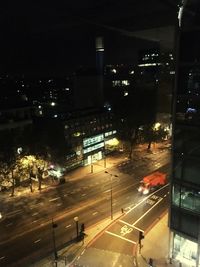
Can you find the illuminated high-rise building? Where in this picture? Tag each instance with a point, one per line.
(185, 177)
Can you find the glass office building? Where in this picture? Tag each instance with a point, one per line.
(185, 179)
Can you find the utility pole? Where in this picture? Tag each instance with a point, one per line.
(111, 194)
(54, 225)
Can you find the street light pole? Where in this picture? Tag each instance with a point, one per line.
(91, 165)
(76, 220)
(54, 225)
(111, 194)
(111, 199)
(104, 154)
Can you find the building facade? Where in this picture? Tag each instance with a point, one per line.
(185, 179)
(90, 134)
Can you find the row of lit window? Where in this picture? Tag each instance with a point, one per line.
(118, 83)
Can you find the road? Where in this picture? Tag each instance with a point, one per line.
(118, 244)
(27, 230)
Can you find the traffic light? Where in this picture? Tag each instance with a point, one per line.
(82, 228)
(141, 236)
(82, 231)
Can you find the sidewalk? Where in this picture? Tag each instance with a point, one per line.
(155, 246)
(98, 166)
(68, 255)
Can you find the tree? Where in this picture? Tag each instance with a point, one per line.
(129, 133)
(34, 166)
(153, 133)
(8, 173)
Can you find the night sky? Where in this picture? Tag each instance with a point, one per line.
(41, 37)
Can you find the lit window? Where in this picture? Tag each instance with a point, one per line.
(113, 70)
(116, 83)
(93, 140)
(125, 93)
(77, 134)
(92, 148)
(125, 82)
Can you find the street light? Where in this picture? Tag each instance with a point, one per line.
(54, 225)
(91, 164)
(76, 221)
(111, 197)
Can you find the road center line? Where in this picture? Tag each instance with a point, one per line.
(107, 191)
(34, 221)
(36, 241)
(68, 226)
(110, 233)
(94, 213)
(53, 199)
(12, 213)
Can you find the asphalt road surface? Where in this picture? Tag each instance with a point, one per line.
(26, 231)
(117, 245)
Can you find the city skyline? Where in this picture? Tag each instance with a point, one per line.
(60, 38)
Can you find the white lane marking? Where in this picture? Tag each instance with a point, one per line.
(9, 224)
(65, 195)
(69, 225)
(34, 221)
(148, 211)
(36, 241)
(125, 230)
(3, 257)
(107, 191)
(94, 213)
(126, 223)
(12, 213)
(83, 195)
(121, 237)
(83, 252)
(59, 204)
(54, 199)
(147, 198)
(34, 213)
(138, 229)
